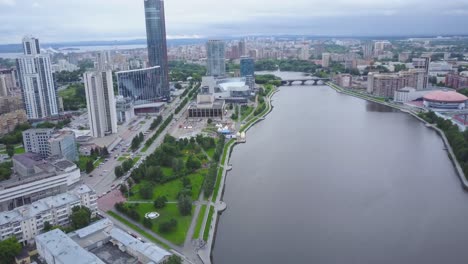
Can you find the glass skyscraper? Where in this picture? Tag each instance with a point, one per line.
(143, 86)
(247, 66)
(215, 63)
(156, 38)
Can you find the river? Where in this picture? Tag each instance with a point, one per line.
(328, 178)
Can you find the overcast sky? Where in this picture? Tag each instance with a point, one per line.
(75, 20)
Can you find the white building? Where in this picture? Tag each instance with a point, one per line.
(3, 86)
(92, 238)
(27, 222)
(304, 52)
(58, 248)
(37, 83)
(100, 101)
(48, 143)
(35, 178)
(64, 65)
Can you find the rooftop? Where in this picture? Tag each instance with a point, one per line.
(64, 249)
(445, 96)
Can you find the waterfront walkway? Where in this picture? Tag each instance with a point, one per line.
(205, 252)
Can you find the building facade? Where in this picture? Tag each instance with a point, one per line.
(36, 80)
(142, 86)
(27, 222)
(9, 121)
(456, 81)
(326, 57)
(35, 178)
(100, 101)
(156, 38)
(49, 143)
(215, 62)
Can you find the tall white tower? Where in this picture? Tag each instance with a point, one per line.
(100, 101)
(37, 83)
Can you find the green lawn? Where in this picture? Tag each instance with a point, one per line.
(201, 216)
(172, 188)
(208, 223)
(246, 111)
(167, 213)
(123, 158)
(210, 152)
(168, 172)
(218, 184)
(225, 152)
(137, 229)
(19, 150)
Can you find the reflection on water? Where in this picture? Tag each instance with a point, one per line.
(373, 107)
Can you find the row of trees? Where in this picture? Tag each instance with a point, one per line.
(137, 140)
(156, 123)
(159, 131)
(9, 248)
(122, 169)
(210, 179)
(129, 211)
(458, 140)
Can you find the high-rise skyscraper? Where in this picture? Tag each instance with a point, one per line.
(156, 38)
(215, 62)
(37, 84)
(247, 70)
(100, 101)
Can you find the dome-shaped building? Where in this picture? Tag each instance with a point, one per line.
(445, 100)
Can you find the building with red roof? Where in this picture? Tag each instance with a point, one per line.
(445, 100)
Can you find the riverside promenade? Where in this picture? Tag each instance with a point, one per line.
(219, 206)
(453, 158)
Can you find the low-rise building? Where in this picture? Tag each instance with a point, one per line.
(26, 222)
(35, 178)
(207, 106)
(9, 121)
(103, 243)
(55, 247)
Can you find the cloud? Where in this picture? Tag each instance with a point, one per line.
(7, 2)
(73, 20)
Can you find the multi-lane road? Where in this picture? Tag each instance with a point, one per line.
(103, 178)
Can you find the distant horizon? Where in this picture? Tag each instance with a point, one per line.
(142, 40)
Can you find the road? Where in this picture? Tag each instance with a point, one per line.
(102, 179)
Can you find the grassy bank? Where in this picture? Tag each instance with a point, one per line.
(201, 216)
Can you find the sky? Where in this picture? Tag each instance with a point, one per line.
(84, 20)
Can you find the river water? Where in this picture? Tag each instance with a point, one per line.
(328, 178)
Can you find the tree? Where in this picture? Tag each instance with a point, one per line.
(10, 150)
(47, 226)
(141, 137)
(167, 226)
(193, 163)
(105, 152)
(154, 173)
(174, 259)
(9, 248)
(185, 205)
(127, 165)
(123, 189)
(80, 217)
(178, 86)
(119, 172)
(147, 223)
(177, 165)
(160, 202)
(146, 191)
(136, 141)
(89, 166)
(210, 121)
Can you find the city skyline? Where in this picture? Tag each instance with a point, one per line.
(97, 20)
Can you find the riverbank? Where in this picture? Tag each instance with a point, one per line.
(453, 158)
(219, 205)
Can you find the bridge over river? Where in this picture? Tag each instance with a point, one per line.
(305, 81)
